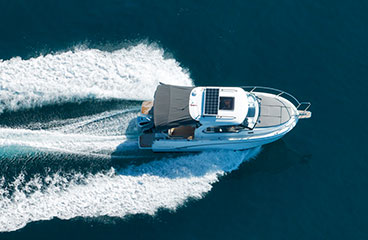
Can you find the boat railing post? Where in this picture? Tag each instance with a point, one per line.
(279, 93)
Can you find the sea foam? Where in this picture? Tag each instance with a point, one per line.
(98, 134)
(129, 73)
(144, 189)
(72, 76)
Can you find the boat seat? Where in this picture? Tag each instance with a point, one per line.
(182, 131)
(146, 107)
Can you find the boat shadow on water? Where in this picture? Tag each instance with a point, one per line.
(128, 159)
(274, 158)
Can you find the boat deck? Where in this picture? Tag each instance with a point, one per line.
(274, 110)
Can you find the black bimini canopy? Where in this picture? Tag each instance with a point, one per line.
(171, 106)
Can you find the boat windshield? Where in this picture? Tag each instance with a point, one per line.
(251, 119)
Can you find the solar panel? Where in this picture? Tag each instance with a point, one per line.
(211, 101)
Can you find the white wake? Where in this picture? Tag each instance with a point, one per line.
(132, 73)
(97, 134)
(73, 76)
(167, 183)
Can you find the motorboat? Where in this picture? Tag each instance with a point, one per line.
(194, 119)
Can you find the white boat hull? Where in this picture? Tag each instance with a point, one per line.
(257, 118)
(243, 141)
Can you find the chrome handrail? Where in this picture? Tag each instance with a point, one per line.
(280, 93)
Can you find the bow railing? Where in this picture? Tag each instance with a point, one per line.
(277, 92)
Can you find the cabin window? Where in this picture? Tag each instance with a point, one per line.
(224, 129)
(226, 103)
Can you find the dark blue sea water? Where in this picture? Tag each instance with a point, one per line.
(73, 74)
